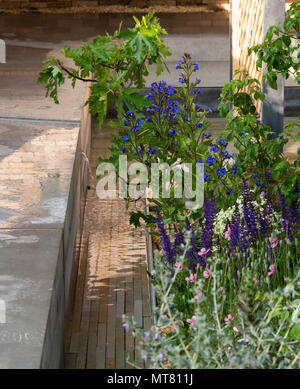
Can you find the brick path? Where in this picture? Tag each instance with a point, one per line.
(109, 279)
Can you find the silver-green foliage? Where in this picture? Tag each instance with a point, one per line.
(265, 332)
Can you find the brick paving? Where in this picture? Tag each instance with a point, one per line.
(109, 279)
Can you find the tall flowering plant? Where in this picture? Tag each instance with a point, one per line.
(173, 129)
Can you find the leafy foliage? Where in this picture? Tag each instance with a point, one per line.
(280, 49)
(114, 65)
(258, 157)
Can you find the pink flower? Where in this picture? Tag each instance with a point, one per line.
(191, 278)
(179, 265)
(197, 296)
(192, 322)
(274, 242)
(228, 319)
(228, 233)
(255, 281)
(206, 273)
(237, 328)
(272, 270)
(203, 251)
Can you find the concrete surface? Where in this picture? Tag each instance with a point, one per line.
(42, 179)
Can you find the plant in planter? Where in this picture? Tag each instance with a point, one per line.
(114, 65)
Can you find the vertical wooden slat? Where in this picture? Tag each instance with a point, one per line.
(101, 346)
(246, 32)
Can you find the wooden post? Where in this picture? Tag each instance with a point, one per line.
(273, 106)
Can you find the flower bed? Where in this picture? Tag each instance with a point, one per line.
(227, 275)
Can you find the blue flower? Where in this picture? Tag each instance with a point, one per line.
(243, 134)
(226, 154)
(179, 64)
(198, 162)
(215, 148)
(222, 141)
(232, 156)
(219, 172)
(135, 129)
(199, 90)
(197, 106)
(148, 110)
(200, 125)
(196, 66)
(258, 184)
(139, 122)
(172, 133)
(185, 118)
(223, 170)
(229, 192)
(234, 170)
(153, 85)
(147, 119)
(124, 122)
(129, 113)
(125, 138)
(126, 327)
(181, 80)
(124, 149)
(152, 151)
(170, 91)
(210, 160)
(149, 96)
(206, 177)
(155, 107)
(198, 80)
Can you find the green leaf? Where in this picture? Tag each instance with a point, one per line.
(294, 332)
(140, 46)
(272, 79)
(287, 40)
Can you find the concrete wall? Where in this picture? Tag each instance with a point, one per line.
(52, 355)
